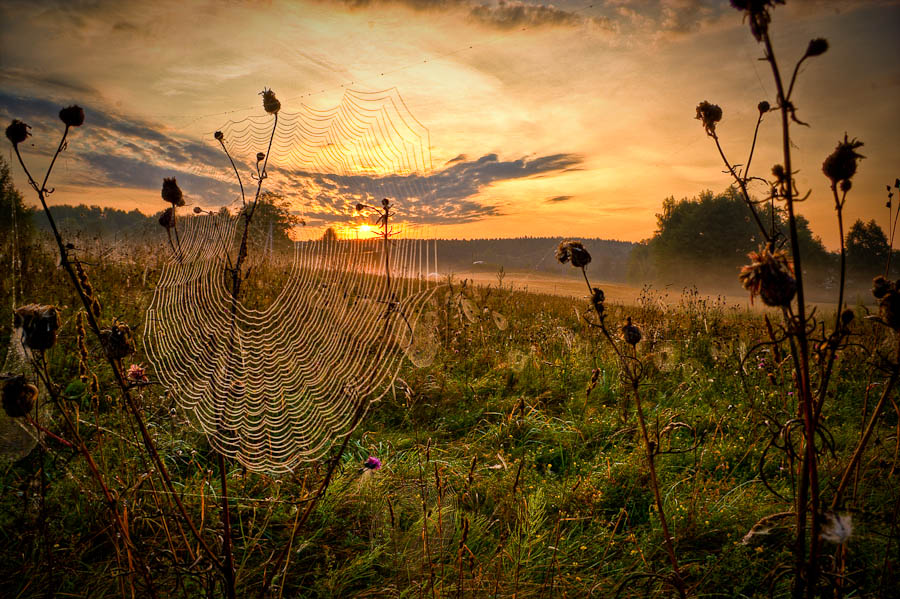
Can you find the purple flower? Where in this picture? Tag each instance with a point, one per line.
(372, 463)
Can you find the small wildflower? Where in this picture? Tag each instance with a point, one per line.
(171, 193)
(573, 251)
(270, 102)
(817, 47)
(372, 463)
(72, 116)
(137, 373)
(17, 132)
(841, 164)
(18, 396)
(709, 115)
(770, 276)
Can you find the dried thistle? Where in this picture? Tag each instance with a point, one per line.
(841, 164)
(597, 299)
(270, 102)
(763, 107)
(171, 193)
(758, 13)
(709, 114)
(18, 396)
(260, 156)
(219, 135)
(167, 218)
(72, 116)
(881, 286)
(118, 340)
(574, 252)
(39, 324)
(770, 276)
(17, 132)
(631, 333)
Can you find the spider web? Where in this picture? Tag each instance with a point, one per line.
(276, 387)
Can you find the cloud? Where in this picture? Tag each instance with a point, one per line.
(504, 15)
(558, 199)
(442, 197)
(113, 151)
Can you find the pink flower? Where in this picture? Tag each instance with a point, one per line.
(137, 373)
(372, 463)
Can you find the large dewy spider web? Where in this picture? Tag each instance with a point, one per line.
(276, 387)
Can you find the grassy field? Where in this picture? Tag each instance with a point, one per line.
(501, 476)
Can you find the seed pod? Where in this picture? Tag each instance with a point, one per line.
(171, 193)
(17, 132)
(763, 107)
(167, 218)
(18, 396)
(841, 164)
(72, 116)
(631, 333)
(39, 324)
(574, 252)
(118, 340)
(770, 276)
(270, 102)
(219, 135)
(817, 47)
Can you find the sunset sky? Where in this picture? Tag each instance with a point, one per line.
(572, 118)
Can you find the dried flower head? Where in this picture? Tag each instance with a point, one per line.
(18, 396)
(846, 184)
(72, 116)
(817, 47)
(260, 156)
(197, 209)
(763, 107)
(39, 324)
(836, 528)
(597, 299)
(385, 202)
(360, 207)
(574, 252)
(270, 102)
(758, 12)
(167, 218)
(770, 276)
(847, 317)
(372, 463)
(841, 164)
(219, 135)
(889, 307)
(118, 340)
(779, 173)
(171, 193)
(709, 115)
(631, 333)
(17, 132)
(880, 286)
(137, 373)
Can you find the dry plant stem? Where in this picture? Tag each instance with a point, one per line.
(95, 472)
(742, 183)
(870, 427)
(360, 410)
(117, 371)
(809, 480)
(678, 581)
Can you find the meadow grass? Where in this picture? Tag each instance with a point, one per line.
(501, 476)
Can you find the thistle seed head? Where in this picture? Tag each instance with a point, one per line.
(39, 324)
(574, 252)
(270, 102)
(171, 193)
(167, 218)
(17, 132)
(770, 276)
(817, 47)
(631, 333)
(18, 396)
(709, 114)
(72, 116)
(841, 164)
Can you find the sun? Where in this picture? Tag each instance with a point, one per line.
(364, 229)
